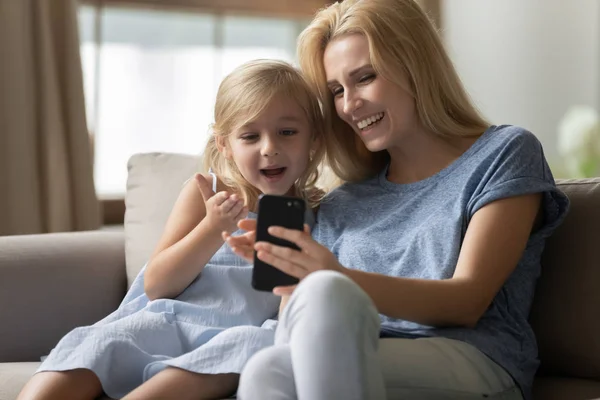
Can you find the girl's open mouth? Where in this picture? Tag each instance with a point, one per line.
(273, 173)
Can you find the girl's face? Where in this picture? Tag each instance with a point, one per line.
(272, 151)
(380, 112)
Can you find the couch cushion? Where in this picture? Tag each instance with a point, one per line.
(555, 388)
(566, 309)
(13, 376)
(153, 184)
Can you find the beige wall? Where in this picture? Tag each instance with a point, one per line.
(526, 61)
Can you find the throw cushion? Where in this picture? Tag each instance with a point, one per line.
(153, 184)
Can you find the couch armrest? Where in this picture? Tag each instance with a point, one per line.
(51, 283)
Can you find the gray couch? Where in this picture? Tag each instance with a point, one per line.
(52, 283)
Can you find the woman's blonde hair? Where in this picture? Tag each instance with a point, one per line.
(242, 97)
(402, 43)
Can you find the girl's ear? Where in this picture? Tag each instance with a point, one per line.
(222, 147)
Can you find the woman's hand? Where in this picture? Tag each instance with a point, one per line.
(223, 211)
(311, 257)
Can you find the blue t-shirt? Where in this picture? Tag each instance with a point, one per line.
(416, 231)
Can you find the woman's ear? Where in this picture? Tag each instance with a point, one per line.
(222, 147)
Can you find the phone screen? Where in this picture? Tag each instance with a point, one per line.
(284, 211)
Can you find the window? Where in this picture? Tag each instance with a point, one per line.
(150, 78)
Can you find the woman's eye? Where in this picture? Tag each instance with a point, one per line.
(367, 78)
(337, 91)
(288, 132)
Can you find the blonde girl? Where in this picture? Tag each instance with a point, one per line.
(191, 319)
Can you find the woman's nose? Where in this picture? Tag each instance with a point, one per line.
(351, 103)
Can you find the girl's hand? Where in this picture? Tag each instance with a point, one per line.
(223, 211)
(242, 245)
(311, 257)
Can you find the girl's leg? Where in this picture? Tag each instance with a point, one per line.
(175, 383)
(76, 384)
(332, 328)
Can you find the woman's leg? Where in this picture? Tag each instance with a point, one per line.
(175, 383)
(332, 329)
(76, 384)
(269, 375)
(444, 369)
(321, 353)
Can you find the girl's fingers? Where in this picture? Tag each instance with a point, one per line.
(220, 198)
(284, 290)
(247, 224)
(229, 204)
(236, 210)
(241, 240)
(242, 213)
(247, 253)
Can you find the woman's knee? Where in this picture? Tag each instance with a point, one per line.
(267, 370)
(334, 293)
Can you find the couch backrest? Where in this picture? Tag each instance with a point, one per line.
(566, 309)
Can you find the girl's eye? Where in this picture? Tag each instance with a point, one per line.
(367, 78)
(248, 137)
(288, 132)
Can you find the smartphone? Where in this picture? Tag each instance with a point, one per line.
(284, 211)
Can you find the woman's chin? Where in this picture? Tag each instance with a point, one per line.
(375, 145)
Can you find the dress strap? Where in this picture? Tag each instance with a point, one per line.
(214, 180)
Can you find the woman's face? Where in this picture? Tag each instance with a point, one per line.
(380, 112)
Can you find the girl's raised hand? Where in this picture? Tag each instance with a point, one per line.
(223, 211)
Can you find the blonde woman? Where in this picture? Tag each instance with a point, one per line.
(429, 253)
(191, 319)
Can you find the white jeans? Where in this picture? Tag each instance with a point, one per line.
(327, 347)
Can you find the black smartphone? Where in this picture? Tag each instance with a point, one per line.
(284, 211)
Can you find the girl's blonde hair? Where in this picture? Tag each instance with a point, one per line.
(402, 43)
(242, 97)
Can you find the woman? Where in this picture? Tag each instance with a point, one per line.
(423, 281)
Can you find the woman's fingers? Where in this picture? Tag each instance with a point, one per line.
(299, 238)
(283, 262)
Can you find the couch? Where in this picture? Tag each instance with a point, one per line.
(51, 283)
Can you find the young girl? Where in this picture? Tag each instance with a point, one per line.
(422, 271)
(191, 318)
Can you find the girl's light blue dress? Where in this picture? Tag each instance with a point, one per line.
(213, 327)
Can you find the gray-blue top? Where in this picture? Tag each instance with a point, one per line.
(416, 231)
